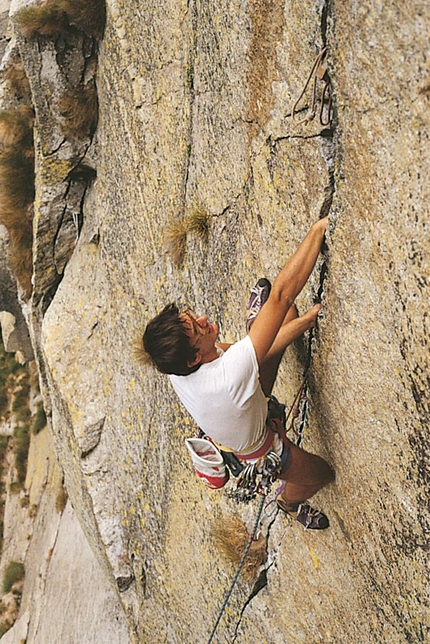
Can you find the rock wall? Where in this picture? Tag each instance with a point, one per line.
(61, 572)
(195, 113)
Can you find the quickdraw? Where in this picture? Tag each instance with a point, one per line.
(319, 68)
(257, 478)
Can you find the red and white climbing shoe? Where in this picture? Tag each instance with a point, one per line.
(259, 295)
(310, 518)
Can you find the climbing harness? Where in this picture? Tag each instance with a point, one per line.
(319, 73)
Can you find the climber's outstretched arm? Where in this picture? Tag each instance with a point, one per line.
(291, 331)
(286, 287)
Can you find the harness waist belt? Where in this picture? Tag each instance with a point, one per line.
(262, 447)
(261, 451)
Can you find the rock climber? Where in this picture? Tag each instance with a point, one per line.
(225, 387)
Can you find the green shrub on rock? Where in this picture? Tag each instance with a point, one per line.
(14, 572)
(39, 421)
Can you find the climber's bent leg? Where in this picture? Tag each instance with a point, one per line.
(305, 474)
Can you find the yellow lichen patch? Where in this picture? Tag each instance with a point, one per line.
(313, 556)
(53, 170)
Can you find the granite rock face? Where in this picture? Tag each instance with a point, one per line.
(196, 112)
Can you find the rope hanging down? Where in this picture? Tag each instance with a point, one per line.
(239, 569)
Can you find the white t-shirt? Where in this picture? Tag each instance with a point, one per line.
(225, 397)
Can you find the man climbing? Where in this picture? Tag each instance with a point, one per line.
(225, 387)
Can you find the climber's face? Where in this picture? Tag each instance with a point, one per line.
(203, 335)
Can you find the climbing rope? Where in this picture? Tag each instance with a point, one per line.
(239, 569)
(319, 72)
(298, 409)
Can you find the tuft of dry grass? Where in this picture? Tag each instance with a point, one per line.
(198, 222)
(176, 241)
(61, 500)
(39, 419)
(13, 573)
(53, 18)
(16, 129)
(21, 259)
(16, 181)
(45, 19)
(231, 537)
(17, 191)
(21, 433)
(14, 74)
(89, 17)
(79, 108)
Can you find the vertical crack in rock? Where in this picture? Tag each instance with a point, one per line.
(71, 220)
(327, 143)
(261, 581)
(43, 579)
(259, 585)
(62, 69)
(325, 8)
(190, 86)
(328, 152)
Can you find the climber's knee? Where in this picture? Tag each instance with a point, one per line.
(305, 474)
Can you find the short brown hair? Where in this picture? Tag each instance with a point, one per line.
(167, 343)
